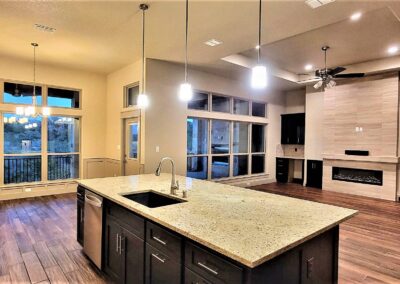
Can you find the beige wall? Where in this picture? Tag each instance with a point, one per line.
(166, 116)
(295, 101)
(93, 104)
(314, 124)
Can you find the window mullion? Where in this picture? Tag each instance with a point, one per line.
(44, 149)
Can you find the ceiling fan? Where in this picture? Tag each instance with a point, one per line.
(326, 75)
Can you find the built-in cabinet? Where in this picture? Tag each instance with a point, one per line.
(314, 173)
(293, 128)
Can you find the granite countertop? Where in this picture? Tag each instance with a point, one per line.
(248, 226)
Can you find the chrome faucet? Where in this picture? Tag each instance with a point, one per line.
(174, 182)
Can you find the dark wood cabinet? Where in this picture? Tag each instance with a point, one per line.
(80, 214)
(292, 128)
(282, 170)
(193, 278)
(161, 268)
(314, 173)
(123, 252)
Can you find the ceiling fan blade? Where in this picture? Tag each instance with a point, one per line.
(349, 75)
(336, 70)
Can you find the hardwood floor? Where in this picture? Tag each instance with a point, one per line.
(38, 239)
(38, 242)
(369, 250)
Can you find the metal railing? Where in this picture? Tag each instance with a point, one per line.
(22, 169)
(18, 169)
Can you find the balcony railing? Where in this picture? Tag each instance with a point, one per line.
(22, 169)
(18, 169)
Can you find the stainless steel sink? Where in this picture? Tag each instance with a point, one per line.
(152, 199)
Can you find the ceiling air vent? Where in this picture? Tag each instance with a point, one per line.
(213, 42)
(318, 3)
(44, 28)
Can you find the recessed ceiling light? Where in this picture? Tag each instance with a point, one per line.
(318, 3)
(257, 46)
(44, 28)
(213, 42)
(356, 16)
(393, 49)
(308, 67)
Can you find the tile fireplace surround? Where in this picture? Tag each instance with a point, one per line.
(385, 191)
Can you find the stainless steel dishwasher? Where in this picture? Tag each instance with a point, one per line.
(93, 227)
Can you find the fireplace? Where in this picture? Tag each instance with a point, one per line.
(374, 177)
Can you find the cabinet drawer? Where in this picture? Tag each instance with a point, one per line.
(160, 268)
(193, 278)
(128, 219)
(211, 267)
(164, 240)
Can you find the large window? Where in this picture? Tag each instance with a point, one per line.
(40, 148)
(207, 101)
(235, 148)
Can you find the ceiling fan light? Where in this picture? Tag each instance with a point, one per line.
(185, 92)
(318, 85)
(142, 101)
(259, 77)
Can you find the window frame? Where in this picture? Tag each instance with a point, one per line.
(56, 111)
(125, 99)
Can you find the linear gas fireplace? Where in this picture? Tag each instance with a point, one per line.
(374, 177)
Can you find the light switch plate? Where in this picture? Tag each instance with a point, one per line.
(157, 149)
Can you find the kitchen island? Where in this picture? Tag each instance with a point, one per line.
(217, 234)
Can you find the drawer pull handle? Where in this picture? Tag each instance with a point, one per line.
(158, 258)
(160, 241)
(207, 268)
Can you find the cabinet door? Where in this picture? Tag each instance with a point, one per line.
(112, 253)
(300, 128)
(193, 278)
(132, 249)
(161, 269)
(80, 221)
(285, 130)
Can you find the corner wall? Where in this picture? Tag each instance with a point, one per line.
(166, 115)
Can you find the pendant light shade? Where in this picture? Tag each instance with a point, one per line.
(143, 100)
(259, 72)
(259, 77)
(185, 92)
(185, 89)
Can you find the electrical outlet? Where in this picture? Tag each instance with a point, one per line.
(27, 189)
(157, 149)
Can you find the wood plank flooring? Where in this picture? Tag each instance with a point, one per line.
(369, 250)
(37, 239)
(38, 242)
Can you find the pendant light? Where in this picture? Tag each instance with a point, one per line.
(143, 100)
(31, 110)
(259, 72)
(185, 90)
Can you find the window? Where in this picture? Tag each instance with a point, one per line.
(241, 155)
(240, 107)
(220, 167)
(220, 137)
(133, 139)
(62, 98)
(22, 148)
(197, 148)
(34, 154)
(221, 104)
(21, 94)
(258, 109)
(199, 101)
(131, 95)
(63, 147)
(240, 137)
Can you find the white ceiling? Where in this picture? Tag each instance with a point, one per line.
(103, 36)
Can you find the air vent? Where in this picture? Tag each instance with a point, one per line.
(44, 28)
(318, 3)
(213, 42)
